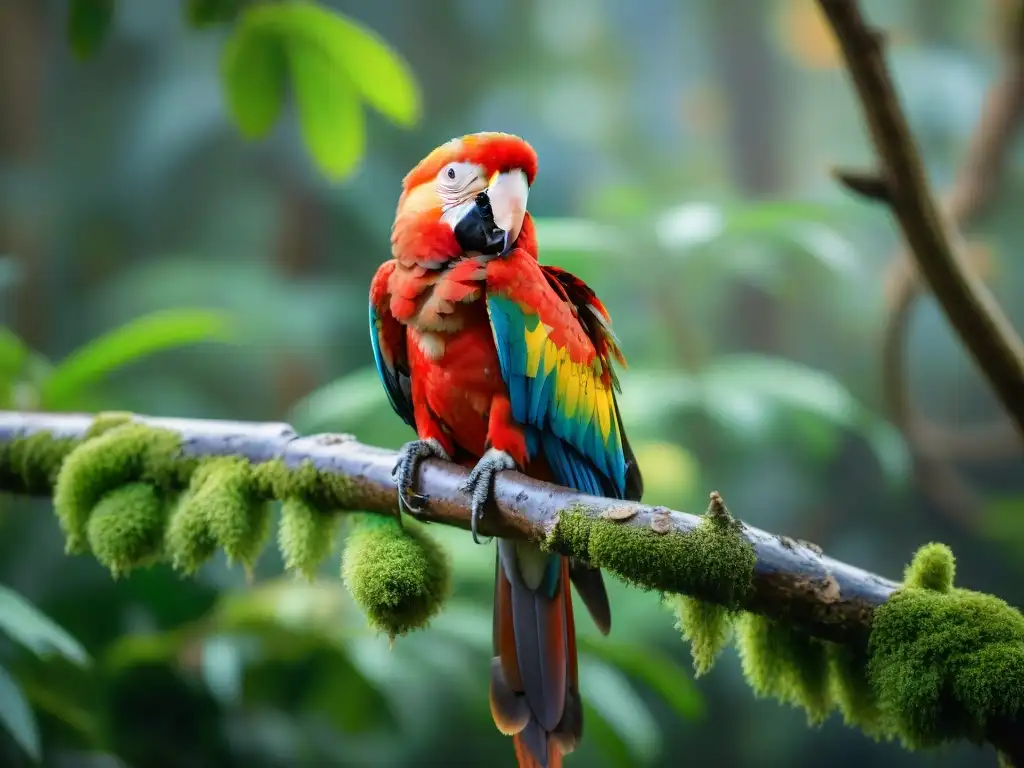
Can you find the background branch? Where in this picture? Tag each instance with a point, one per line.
(936, 448)
(934, 244)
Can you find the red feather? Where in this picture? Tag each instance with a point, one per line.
(433, 324)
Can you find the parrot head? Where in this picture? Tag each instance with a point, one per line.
(476, 185)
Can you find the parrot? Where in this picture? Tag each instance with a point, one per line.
(497, 362)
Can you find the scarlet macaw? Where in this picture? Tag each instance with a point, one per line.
(497, 363)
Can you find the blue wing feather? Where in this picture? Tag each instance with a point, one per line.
(579, 456)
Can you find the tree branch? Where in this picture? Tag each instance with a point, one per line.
(971, 309)
(788, 581)
(792, 580)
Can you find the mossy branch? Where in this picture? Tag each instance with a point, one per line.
(654, 547)
(972, 311)
(922, 661)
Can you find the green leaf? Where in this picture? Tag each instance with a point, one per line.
(88, 22)
(13, 354)
(604, 737)
(29, 627)
(805, 228)
(17, 716)
(356, 54)
(748, 392)
(205, 13)
(134, 340)
(329, 112)
(253, 73)
(655, 669)
(340, 405)
(382, 77)
(627, 715)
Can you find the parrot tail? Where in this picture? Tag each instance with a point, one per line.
(534, 675)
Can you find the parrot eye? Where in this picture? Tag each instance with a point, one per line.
(456, 180)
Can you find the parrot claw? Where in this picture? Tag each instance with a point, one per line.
(404, 472)
(480, 484)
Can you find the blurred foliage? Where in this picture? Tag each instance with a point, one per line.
(745, 287)
(29, 381)
(333, 63)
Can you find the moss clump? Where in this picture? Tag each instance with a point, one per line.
(851, 690)
(106, 421)
(942, 663)
(31, 464)
(189, 542)
(305, 536)
(323, 490)
(945, 664)
(706, 626)
(123, 454)
(398, 575)
(712, 562)
(219, 507)
(785, 664)
(126, 528)
(933, 567)
(238, 520)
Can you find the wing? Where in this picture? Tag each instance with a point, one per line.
(388, 338)
(555, 348)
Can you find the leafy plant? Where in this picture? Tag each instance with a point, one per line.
(253, 640)
(23, 623)
(751, 394)
(334, 65)
(28, 380)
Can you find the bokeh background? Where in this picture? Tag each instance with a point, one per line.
(155, 257)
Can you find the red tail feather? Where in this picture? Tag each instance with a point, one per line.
(534, 688)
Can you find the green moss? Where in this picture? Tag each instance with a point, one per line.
(851, 690)
(322, 490)
(785, 664)
(933, 567)
(943, 664)
(126, 528)
(712, 562)
(106, 421)
(398, 575)
(238, 519)
(124, 454)
(305, 536)
(189, 541)
(706, 626)
(31, 464)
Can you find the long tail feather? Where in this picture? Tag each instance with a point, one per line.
(534, 741)
(534, 675)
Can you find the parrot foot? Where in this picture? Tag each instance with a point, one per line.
(409, 458)
(480, 484)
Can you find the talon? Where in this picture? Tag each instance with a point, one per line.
(404, 472)
(480, 484)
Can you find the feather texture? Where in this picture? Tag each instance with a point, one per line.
(503, 356)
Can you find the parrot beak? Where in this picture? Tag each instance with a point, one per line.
(490, 223)
(507, 193)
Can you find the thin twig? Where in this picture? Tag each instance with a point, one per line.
(970, 307)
